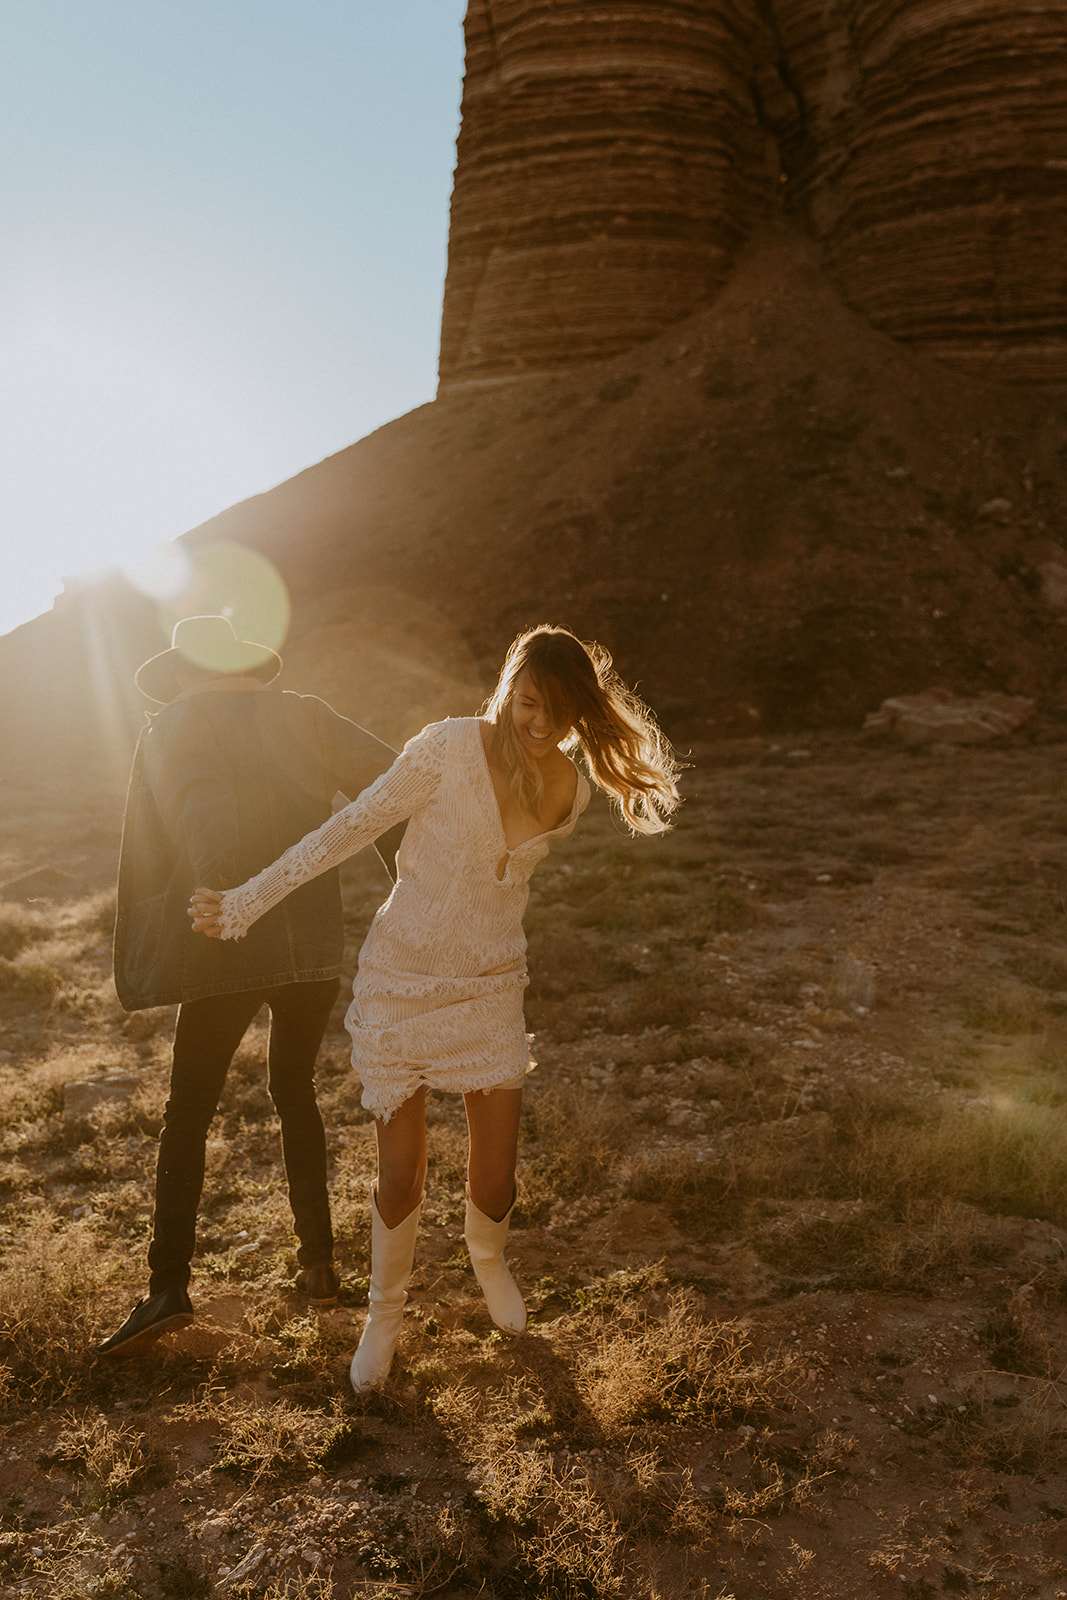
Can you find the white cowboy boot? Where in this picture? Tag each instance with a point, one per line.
(485, 1243)
(392, 1251)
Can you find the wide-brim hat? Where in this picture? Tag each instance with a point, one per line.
(210, 644)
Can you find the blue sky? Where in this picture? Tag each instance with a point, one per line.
(225, 229)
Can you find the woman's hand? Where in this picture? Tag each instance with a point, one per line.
(204, 912)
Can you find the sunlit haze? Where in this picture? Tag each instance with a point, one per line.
(225, 235)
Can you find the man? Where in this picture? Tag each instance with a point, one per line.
(227, 775)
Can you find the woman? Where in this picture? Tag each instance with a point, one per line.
(437, 1000)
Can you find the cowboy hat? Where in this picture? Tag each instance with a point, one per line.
(210, 644)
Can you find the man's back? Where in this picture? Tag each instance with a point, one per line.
(224, 779)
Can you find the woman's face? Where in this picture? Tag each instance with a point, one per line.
(532, 721)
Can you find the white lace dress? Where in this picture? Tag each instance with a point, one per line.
(437, 999)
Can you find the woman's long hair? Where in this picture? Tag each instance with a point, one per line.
(625, 751)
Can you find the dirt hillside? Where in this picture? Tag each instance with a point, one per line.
(774, 515)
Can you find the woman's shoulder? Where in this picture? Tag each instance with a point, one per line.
(439, 740)
(581, 792)
(584, 790)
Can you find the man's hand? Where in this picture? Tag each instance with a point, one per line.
(204, 912)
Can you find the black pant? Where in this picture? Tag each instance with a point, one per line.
(205, 1040)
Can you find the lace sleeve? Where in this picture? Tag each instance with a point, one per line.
(407, 785)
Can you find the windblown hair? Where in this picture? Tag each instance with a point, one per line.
(625, 752)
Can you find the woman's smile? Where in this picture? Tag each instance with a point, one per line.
(532, 720)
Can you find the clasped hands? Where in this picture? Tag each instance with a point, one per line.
(203, 912)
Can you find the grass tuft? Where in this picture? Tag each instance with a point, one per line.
(116, 1462)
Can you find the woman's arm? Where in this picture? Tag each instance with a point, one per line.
(409, 783)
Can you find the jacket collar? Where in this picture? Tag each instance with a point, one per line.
(215, 686)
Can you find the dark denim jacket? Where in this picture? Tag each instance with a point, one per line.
(224, 779)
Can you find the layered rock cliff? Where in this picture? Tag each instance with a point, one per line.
(609, 162)
(928, 149)
(612, 157)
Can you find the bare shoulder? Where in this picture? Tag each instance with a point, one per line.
(560, 778)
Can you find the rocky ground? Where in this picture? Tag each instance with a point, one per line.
(792, 1228)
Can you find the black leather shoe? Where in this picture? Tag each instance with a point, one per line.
(156, 1314)
(320, 1284)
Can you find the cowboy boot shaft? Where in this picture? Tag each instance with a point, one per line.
(485, 1245)
(392, 1255)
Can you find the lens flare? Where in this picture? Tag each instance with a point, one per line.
(229, 580)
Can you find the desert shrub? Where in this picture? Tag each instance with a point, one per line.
(568, 1544)
(673, 999)
(96, 913)
(308, 1348)
(179, 1579)
(116, 1462)
(727, 910)
(1006, 1008)
(868, 1246)
(53, 1285)
(1010, 1158)
(342, 1442)
(677, 1368)
(680, 1178)
(267, 1443)
(832, 1238)
(29, 980)
(1029, 1441)
(66, 1581)
(563, 962)
(20, 926)
(628, 1284)
(578, 1137)
(31, 1092)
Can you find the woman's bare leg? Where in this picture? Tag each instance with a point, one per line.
(401, 1160)
(493, 1127)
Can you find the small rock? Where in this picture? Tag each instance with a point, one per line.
(246, 1567)
(85, 1095)
(1053, 575)
(140, 1025)
(937, 715)
(995, 510)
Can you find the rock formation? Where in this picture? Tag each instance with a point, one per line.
(612, 157)
(929, 151)
(609, 162)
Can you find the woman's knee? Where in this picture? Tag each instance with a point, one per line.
(402, 1156)
(402, 1171)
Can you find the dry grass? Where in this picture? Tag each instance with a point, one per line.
(55, 1277)
(676, 1368)
(114, 1461)
(574, 1146)
(792, 1176)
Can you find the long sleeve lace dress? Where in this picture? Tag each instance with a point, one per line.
(437, 999)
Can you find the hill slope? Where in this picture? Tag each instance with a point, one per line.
(773, 514)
